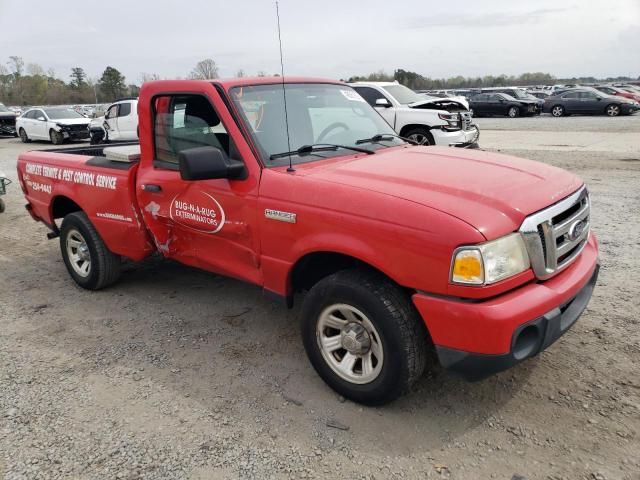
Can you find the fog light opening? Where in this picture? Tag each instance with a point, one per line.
(527, 342)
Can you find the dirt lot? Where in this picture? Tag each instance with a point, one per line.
(176, 373)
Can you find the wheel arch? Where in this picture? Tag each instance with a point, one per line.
(312, 267)
(411, 126)
(61, 206)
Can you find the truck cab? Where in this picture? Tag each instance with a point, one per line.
(299, 186)
(119, 123)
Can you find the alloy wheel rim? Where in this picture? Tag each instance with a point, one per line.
(419, 138)
(78, 253)
(613, 110)
(350, 344)
(557, 111)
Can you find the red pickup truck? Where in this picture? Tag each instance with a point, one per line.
(396, 249)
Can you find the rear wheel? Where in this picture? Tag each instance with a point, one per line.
(87, 258)
(56, 137)
(513, 112)
(421, 136)
(363, 336)
(612, 110)
(557, 111)
(23, 136)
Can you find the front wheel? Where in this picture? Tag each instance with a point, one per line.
(87, 258)
(421, 136)
(513, 112)
(612, 110)
(56, 137)
(23, 136)
(363, 336)
(557, 111)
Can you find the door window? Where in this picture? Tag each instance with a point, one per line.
(572, 95)
(587, 96)
(369, 94)
(112, 112)
(182, 122)
(125, 109)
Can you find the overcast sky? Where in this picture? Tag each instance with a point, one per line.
(330, 38)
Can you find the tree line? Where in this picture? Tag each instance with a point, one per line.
(29, 84)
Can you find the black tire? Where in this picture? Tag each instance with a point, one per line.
(23, 136)
(558, 111)
(402, 334)
(2, 206)
(513, 112)
(104, 265)
(56, 137)
(613, 110)
(421, 135)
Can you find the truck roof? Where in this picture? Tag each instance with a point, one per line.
(227, 83)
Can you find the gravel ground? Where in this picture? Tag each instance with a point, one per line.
(176, 373)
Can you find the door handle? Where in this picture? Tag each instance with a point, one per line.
(151, 188)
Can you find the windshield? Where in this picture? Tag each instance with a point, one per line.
(517, 93)
(62, 113)
(403, 95)
(3, 108)
(317, 113)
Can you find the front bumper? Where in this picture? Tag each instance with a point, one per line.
(75, 134)
(457, 138)
(478, 339)
(628, 109)
(8, 130)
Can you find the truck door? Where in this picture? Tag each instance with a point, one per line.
(209, 224)
(127, 123)
(111, 122)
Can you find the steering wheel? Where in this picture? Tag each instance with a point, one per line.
(331, 127)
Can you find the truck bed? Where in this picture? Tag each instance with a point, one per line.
(59, 181)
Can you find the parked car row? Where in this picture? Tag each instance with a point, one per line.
(589, 100)
(558, 100)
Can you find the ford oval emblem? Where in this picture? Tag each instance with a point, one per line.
(576, 230)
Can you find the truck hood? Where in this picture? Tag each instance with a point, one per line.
(448, 104)
(72, 121)
(490, 191)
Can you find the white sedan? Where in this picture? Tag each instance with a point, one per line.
(56, 124)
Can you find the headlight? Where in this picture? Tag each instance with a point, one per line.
(452, 118)
(490, 262)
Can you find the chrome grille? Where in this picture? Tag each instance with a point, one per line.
(556, 235)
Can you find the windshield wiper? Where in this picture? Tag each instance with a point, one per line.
(319, 147)
(385, 137)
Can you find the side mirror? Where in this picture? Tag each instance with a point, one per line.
(42, 119)
(208, 163)
(382, 102)
(599, 99)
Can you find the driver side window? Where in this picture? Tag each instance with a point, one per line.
(369, 94)
(112, 112)
(182, 122)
